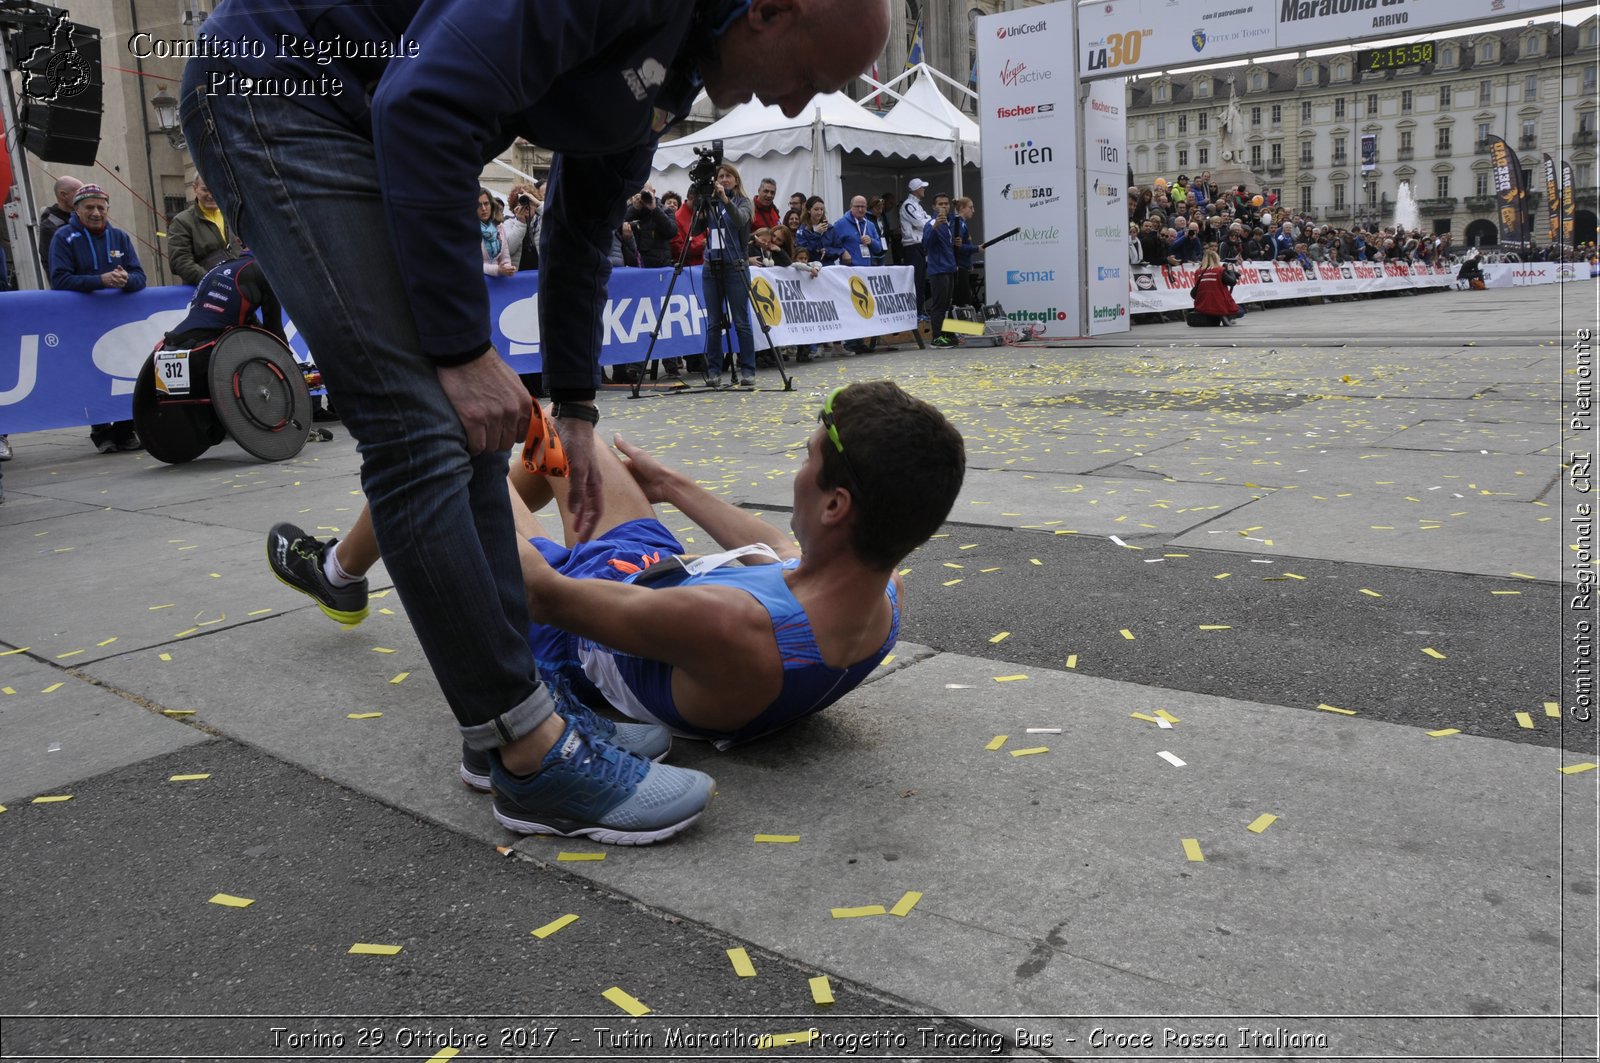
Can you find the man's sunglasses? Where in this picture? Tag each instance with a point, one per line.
(826, 417)
(542, 452)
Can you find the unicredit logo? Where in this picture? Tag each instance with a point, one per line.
(1002, 32)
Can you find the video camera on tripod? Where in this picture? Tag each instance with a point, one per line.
(703, 174)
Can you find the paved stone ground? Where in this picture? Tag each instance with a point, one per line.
(1357, 506)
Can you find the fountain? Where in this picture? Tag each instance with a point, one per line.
(1405, 207)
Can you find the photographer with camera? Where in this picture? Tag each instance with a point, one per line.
(653, 229)
(726, 223)
(521, 230)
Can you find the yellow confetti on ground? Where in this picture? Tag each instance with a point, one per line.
(952, 564)
(166, 656)
(1165, 715)
(69, 653)
(52, 688)
(1435, 654)
(1001, 637)
(1191, 849)
(1072, 661)
(1008, 678)
(903, 906)
(397, 680)
(445, 1054)
(23, 649)
(1341, 712)
(1524, 721)
(1370, 594)
(786, 1040)
(821, 991)
(380, 594)
(227, 900)
(1577, 769)
(362, 715)
(383, 649)
(55, 799)
(185, 634)
(1522, 575)
(1034, 561)
(1216, 627)
(554, 925)
(1030, 751)
(777, 839)
(627, 1002)
(1222, 575)
(1291, 575)
(107, 642)
(1261, 823)
(1445, 732)
(1127, 634)
(741, 963)
(216, 575)
(1142, 716)
(177, 712)
(861, 912)
(258, 612)
(951, 582)
(996, 742)
(1552, 710)
(576, 858)
(2, 808)
(362, 949)
(7, 691)
(188, 778)
(1518, 593)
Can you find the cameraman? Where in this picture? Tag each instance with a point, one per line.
(521, 230)
(727, 235)
(653, 229)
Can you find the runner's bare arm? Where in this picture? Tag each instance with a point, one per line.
(730, 526)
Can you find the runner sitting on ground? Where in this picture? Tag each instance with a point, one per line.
(708, 648)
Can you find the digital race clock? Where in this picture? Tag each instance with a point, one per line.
(1376, 60)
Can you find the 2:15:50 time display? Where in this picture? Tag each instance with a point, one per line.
(1392, 58)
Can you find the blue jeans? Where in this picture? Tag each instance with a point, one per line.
(724, 285)
(303, 189)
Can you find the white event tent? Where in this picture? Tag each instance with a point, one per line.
(833, 144)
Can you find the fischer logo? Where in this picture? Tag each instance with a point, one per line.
(1104, 313)
(1026, 153)
(1108, 273)
(1024, 110)
(1104, 108)
(1002, 32)
(1030, 276)
(1012, 75)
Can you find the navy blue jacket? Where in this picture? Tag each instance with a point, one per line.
(844, 236)
(77, 258)
(938, 243)
(598, 81)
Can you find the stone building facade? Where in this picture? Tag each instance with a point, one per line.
(1304, 120)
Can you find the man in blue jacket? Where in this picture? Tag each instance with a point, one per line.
(938, 246)
(341, 141)
(854, 239)
(88, 254)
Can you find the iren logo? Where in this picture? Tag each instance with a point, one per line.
(1027, 153)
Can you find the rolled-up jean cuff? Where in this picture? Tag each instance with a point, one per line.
(510, 726)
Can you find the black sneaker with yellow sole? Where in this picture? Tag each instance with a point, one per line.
(297, 560)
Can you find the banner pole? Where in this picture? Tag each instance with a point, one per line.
(22, 214)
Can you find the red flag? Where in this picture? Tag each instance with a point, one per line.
(5, 164)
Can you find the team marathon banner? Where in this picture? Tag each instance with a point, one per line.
(70, 358)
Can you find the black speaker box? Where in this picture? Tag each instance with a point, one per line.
(59, 120)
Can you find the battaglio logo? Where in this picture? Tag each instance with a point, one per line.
(1049, 314)
(1106, 313)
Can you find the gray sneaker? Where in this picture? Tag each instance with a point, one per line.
(648, 740)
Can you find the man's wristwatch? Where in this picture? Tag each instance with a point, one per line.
(577, 411)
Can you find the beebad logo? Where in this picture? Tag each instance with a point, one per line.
(1112, 192)
(1030, 153)
(1035, 195)
(1030, 276)
(765, 300)
(1108, 273)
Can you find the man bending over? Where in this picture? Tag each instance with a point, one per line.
(727, 647)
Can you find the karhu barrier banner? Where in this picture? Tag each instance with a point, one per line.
(69, 358)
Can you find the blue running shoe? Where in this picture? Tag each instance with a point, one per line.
(649, 740)
(590, 788)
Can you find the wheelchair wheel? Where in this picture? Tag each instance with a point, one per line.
(171, 433)
(259, 394)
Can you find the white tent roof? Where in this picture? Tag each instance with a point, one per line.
(924, 111)
(754, 130)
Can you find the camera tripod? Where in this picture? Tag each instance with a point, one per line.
(704, 218)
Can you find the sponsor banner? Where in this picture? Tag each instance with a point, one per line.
(1520, 274)
(1158, 290)
(1125, 36)
(1509, 191)
(1105, 207)
(1029, 123)
(69, 359)
(1105, 128)
(840, 303)
(1312, 23)
(1369, 152)
(1552, 201)
(1569, 218)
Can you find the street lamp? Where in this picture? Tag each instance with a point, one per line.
(167, 117)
